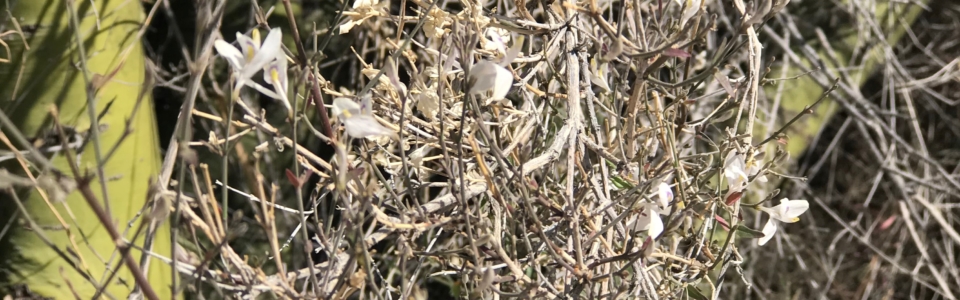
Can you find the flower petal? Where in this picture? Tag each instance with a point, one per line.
(736, 179)
(735, 169)
(345, 108)
(248, 46)
(361, 126)
(345, 28)
(356, 122)
(230, 53)
(494, 41)
(768, 231)
(364, 3)
(268, 52)
(656, 225)
(665, 195)
(734, 160)
(650, 221)
(366, 105)
(791, 210)
(482, 74)
(692, 8)
(598, 76)
(276, 73)
(268, 92)
(788, 211)
(502, 83)
(762, 178)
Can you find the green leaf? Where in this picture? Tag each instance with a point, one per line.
(620, 183)
(695, 293)
(749, 233)
(49, 74)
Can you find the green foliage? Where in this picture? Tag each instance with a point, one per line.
(46, 75)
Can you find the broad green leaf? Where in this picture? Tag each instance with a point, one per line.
(48, 74)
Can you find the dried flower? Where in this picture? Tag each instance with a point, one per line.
(437, 19)
(362, 10)
(788, 211)
(358, 120)
(428, 103)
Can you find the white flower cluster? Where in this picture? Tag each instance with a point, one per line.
(252, 57)
(738, 169)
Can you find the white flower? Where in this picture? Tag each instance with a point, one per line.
(665, 195)
(788, 211)
(276, 74)
(649, 219)
(598, 75)
(253, 58)
(358, 120)
(493, 77)
(489, 76)
(738, 171)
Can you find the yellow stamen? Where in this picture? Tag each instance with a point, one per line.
(255, 35)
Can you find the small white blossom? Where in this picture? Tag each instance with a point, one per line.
(737, 170)
(788, 211)
(650, 217)
(493, 77)
(253, 58)
(489, 76)
(358, 120)
(364, 3)
(665, 195)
